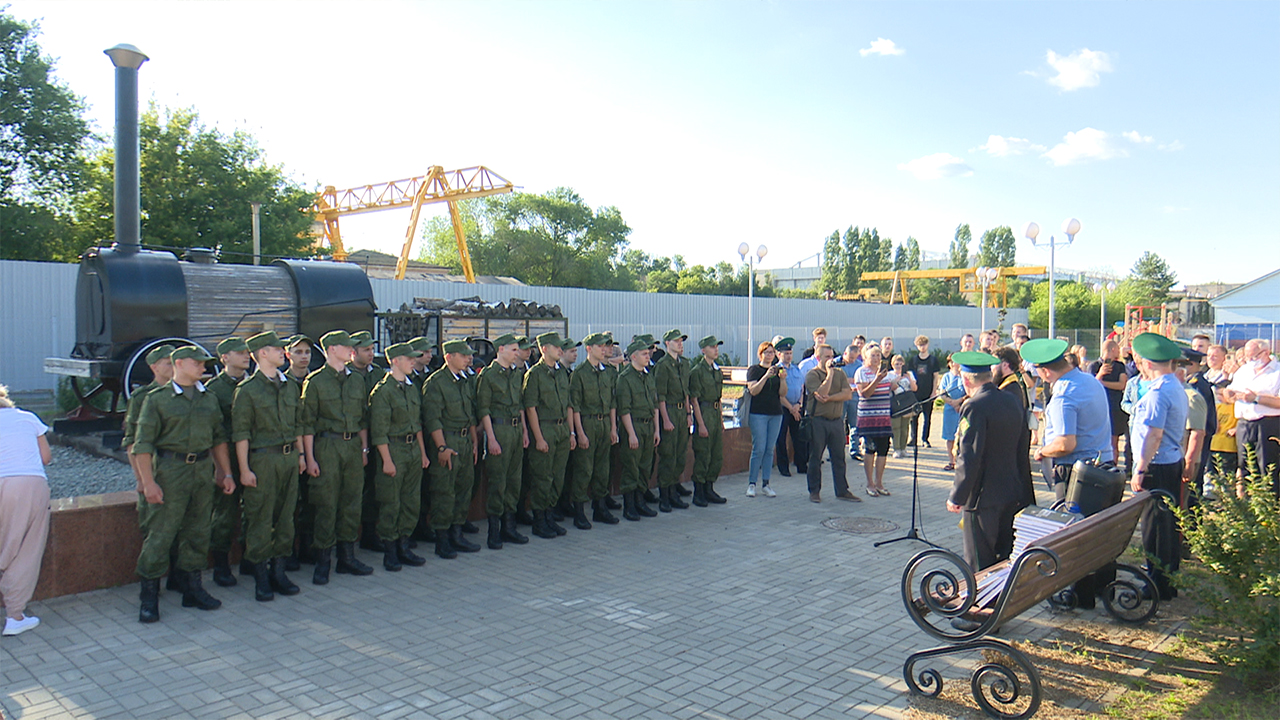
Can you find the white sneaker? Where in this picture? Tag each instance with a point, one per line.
(897, 455)
(751, 490)
(768, 492)
(17, 627)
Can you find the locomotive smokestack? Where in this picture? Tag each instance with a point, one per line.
(127, 60)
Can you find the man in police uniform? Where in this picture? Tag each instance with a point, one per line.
(1077, 417)
(671, 378)
(336, 439)
(265, 412)
(1157, 425)
(706, 387)
(791, 411)
(501, 411)
(546, 402)
(989, 487)
(395, 430)
(595, 421)
(178, 427)
(234, 356)
(637, 407)
(449, 417)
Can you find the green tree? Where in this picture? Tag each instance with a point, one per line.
(912, 254)
(997, 248)
(1152, 278)
(833, 264)
(1076, 305)
(959, 250)
(851, 273)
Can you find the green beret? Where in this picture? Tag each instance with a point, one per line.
(1043, 351)
(569, 344)
(708, 341)
(195, 352)
(404, 349)
(1156, 348)
(785, 343)
(297, 339)
(506, 339)
(639, 344)
(232, 344)
(459, 346)
(674, 334)
(549, 338)
(336, 338)
(264, 339)
(597, 339)
(421, 344)
(522, 341)
(159, 354)
(362, 339)
(975, 362)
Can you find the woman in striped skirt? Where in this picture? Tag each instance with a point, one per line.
(874, 422)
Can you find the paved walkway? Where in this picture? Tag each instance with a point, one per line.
(747, 610)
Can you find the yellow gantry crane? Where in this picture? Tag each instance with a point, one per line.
(438, 185)
(968, 278)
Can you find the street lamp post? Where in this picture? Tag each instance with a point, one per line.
(1069, 228)
(744, 251)
(986, 276)
(1102, 288)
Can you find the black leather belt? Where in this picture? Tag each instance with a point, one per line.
(677, 406)
(188, 458)
(597, 416)
(709, 403)
(643, 420)
(505, 421)
(338, 435)
(410, 438)
(465, 432)
(286, 449)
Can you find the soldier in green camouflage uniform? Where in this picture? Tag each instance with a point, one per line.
(298, 350)
(362, 364)
(395, 430)
(671, 377)
(525, 347)
(498, 403)
(637, 403)
(162, 374)
(546, 403)
(179, 426)
(706, 386)
(234, 356)
(595, 420)
(449, 417)
(563, 507)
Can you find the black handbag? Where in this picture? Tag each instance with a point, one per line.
(903, 403)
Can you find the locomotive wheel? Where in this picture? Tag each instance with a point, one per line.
(90, 390)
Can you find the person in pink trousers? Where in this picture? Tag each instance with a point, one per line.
(24, 510)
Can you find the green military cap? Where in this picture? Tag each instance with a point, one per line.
(549, 338)
(421, 344)
(506, 339)
(232, 344)
(784, 343)
(646, 337)
(336, 338)
(404, 349)
(639, 344)
(1043, 351)
(159, 354)
(296, 339)
(674, 334)
(523, 342)
(459, 346)
(264, 339)
(597, 339)
(362, 339)
(195, 352)
(1156, 348)
(975, 362)
(708, 341)
(569, 344)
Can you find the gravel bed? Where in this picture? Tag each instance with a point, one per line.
(74, 472)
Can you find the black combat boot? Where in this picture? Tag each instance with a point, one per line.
(712, 496)
(194, 594)
(460, 541)
(664, 499)
(580, 520)
(649, 496)
(629, 506)
(368, 541)
(601, 514)
(150, 596)
(444, 548)
(555, 527)
(700, 494)
(175, 582)
(280, 582)
(470, 528)
(246, 567)
(673, 497)
(494, 540)
(408, 556)
(524, 517)
(509, 531)
(540, 526)
(682, 490)
(222, 575)
(324, 558)
(262, 582)
(554, 515)
(390, 559)
(642, 507)
(347, 562)
(611, 504)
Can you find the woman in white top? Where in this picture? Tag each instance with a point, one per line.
(24, 510)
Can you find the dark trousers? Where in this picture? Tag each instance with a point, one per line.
(827, 434)
(801, 448)
(921, 423)
(1256, 435)
(1160, 537)
(1087, 587)
(988, 535)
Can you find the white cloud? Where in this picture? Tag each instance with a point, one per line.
(1083, 146)
(1174, 146)
(1005, 146)
(938, 165)
(1080, 69)
(882, 46)
(1137, 137)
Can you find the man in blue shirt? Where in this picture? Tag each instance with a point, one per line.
(1077, 418)
(1157, 424)
(792, 410)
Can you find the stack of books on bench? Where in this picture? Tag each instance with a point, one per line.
(1030, 524)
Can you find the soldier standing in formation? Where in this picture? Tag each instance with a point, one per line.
(706, 385)
(395, 429)
(362, 365)
(162, 374)
(448, 416)
(637, 403)
(501, 411)
(179, 426)
(546, 402)
(595, 421)
(671, 378)
(234, 356)
(298, 351)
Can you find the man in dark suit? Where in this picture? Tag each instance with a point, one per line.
(989, 485)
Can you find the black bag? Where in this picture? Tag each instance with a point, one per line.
(903, 403)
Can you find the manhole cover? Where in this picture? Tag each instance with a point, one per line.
(860, 525)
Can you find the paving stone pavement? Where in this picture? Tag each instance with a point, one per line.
(747, 610)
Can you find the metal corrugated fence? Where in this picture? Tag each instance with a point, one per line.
(37, 320)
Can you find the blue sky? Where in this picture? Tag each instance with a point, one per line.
(711, 123)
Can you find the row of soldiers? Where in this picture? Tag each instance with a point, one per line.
(289, 448)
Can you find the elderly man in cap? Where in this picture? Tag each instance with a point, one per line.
(501, 411)
(637, 405)
(595, 421)
(989, 486)
(395, 430)
(178, 428)
(267, 430)
(336, 440)
(1157, 425)
(449, 418)
(1077, 419)
(706, 387)
(235, 359)
(671, 378)
(546, 402)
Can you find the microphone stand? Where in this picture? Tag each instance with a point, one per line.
(914, 532)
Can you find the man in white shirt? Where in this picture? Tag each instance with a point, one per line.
(1255, 389)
